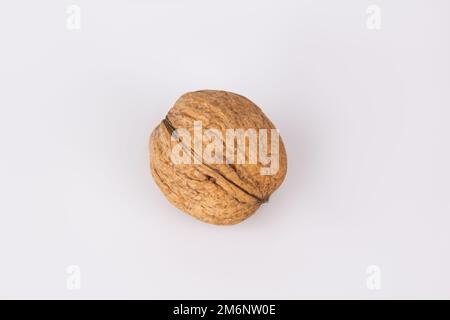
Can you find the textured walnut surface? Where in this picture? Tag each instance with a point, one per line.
(213, 193)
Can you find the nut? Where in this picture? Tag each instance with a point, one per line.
(231, 188)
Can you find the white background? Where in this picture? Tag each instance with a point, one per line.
(364, 115)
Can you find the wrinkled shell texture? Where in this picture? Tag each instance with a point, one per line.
(220, 194)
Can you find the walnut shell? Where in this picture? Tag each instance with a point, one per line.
(224, 193)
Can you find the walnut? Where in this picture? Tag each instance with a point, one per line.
(206, 161)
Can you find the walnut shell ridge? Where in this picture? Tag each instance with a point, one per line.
(221, 194)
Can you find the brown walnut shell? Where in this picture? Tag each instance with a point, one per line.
(220, 194)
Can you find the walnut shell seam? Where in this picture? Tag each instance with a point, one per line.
(170, 128)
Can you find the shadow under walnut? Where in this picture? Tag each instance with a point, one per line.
(221, 194)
